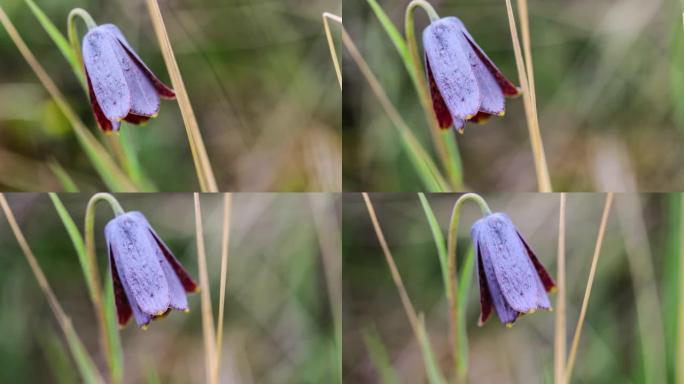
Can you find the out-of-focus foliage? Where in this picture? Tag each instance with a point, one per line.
(279, 322)
(629, 330)
(258, 74)
(608, 82)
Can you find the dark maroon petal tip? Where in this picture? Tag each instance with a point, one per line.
(544, 276)
(123, 308)
(137, 119)
(485, 295)
(507, 87)
(481, 117)
(438, 105)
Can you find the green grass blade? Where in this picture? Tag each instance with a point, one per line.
(64, 179)
(454, 165)
(379, 356)
(464, 283)
(57, 357)
(438, 237)
(132, 166)
(396, 38)
(60, 41)
(109, 306)
(431, 366)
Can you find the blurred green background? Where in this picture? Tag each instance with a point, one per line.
(629, 332)
(258, 73)
(283, 288)
(610, 90)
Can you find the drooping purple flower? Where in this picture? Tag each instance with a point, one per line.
(465, 85)
(148, 280)
(121, 86)
(510, 275)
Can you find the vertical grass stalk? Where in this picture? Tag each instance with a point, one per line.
(587, 292)
(559, 343)
(679, 353)
(541, 168)
(199, 154)
(207, 317)
(225, 245)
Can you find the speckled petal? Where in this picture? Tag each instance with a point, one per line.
(491, 96)
(507, 87)
(450, 67)
(105, 74)
(138, 265)
(162, 89)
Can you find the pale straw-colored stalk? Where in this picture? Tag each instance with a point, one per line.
(542, 171)
(422, 160)
(90, 373)
(199, 154)
(225, 246)
(394, 271)
(527, 48)
(207, 313)
(97, 154)
(561, 320)
(587, 292)
(331, 44)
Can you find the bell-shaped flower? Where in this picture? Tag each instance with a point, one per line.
(148, 280)
(510, 275)
(121, 86)
(465, 85)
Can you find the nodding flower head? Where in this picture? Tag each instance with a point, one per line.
(121, 86)
(510, 275)
(148, 280)
(465, 85)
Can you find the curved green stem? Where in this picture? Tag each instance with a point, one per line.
(73, 33)
(452, 296)
(448, 156)
(106, 337)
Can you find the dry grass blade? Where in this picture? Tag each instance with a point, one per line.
(560, 326)
(405, 300)
(111, 173)
(587, 292)
(543, 179)
(207, 316)
(225, 245)
(527, 49)
(90, 373)
(199, 152)
(331, 44)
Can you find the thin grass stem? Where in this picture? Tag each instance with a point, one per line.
(111, 174)
(559, 343)
(331, 44)
(424, 165)
(85, 364)
(225, 246)
(199, 154)
(527, 48)
(542, 171)
(207, 313)
(587, 292)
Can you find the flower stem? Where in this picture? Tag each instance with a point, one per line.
(452, 294)
(448, 156)
(93, 276)
(73, 33)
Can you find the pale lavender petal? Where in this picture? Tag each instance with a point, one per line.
(105, 73)
(138, 265)
(491, 96)
(450, 67)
